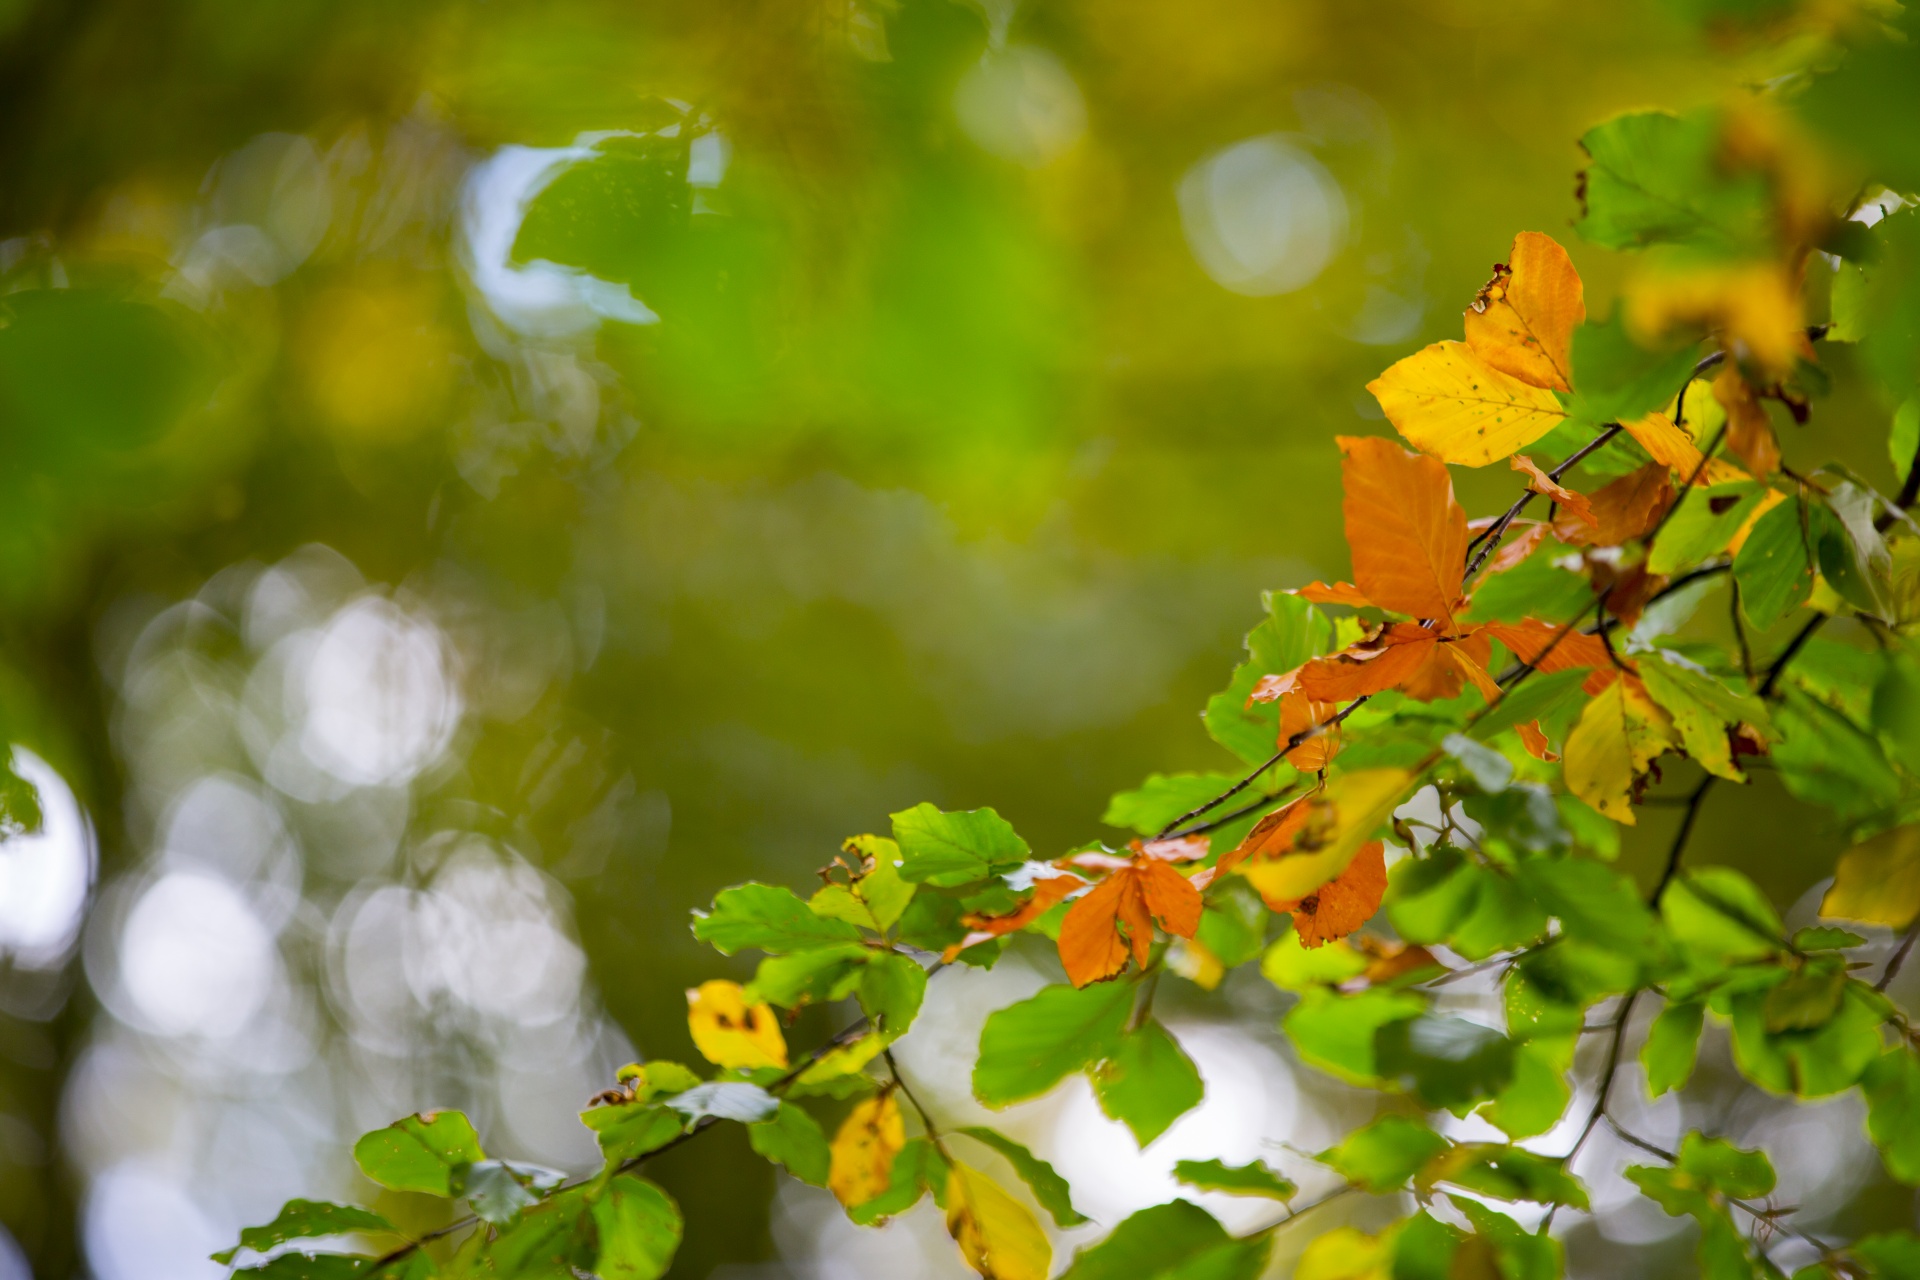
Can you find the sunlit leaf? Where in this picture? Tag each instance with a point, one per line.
(769, 917)
(729, 1032)
(1523, 320)
(1452, 404)
(794, 1139)
(420, 1152)
(1048, 1187)
(1028, 1047)
(954, 848)
(1147, 1081)
(639, 1227)
(997, 1235)
(863, 1150)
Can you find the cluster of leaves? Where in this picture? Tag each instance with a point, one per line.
(1526, 678)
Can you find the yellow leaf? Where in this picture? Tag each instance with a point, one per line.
(864, 1148)
(843, 1061)
(1342, 821)
(997, 1236)
(1749, 435)
(1450, 403)
(1754, 307)
(1344, 1253)
(1675, 448)
(1619, 734)
(1523, 321)
(1878, 880)
(729, 1032)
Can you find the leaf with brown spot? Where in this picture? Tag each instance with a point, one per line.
(1344, 903)
(861, 1157)
(1450, 403)
(1523, 320)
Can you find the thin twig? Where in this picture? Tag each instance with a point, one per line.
(1787, 654)
(1679, 847)
(1489, 538)
(1606, 1075)
(1760, 1214)
(1226, 819)
(1898, 958)
(1305, 735)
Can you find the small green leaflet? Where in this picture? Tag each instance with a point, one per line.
(630, 1129)
(639, 1227)
(419, 1153)
(1672, 1045)
(891, 990)
(1336, 1032)
(1150, 1243)
(1255, 1179)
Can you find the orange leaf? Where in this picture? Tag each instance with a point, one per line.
(1546, 648)
(1385, 662)
(1534, 739)
(1270, 837)
(1344, 903)
(1749, 434)
(1299, 713)
(1407, 534)
(1092, 945)
(1523, 321)
(1337, 593)
(1574, 503)
(1471, 659)
(1047, 893)
(1623, 510)
(1512, 553)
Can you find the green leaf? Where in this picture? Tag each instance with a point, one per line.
(1147, 1082)
(1820, 937)
(1292, 967)
(1163, 797)
(1903, 437)
(955, 848)
(1731, 1170)
(306, 1219)
(807, 977)
(1896, 710)
(1891, 1255)
(1448, 1062)
(1615, 379)
(1673, 1043)
(1517, 1253)
(1506, 1173)
(891, 992)
(1386, 1154)
(916, 1169)
(295, 1265)
(794, 1139)
(1502, 918)
(1774, 569)
(640, 1228)
(1255, 1179)
(1549, 991)
(1892, 1089)
(726, 1100)
(1027, 1048)
(1536, 587)
(1593, 902)
(770, 918)
(1537, 1095)
(1428, 897)
(1048, 1187)
(1233, 924)
(1656, 178)
(1810, 1063)
(1807, 999)
(1336, 1032)
(1718, 914)
(1292, 632)
(1703, 525)
(499, 1189)
(1150, 1243)
(548, 1241)
(419, 1153)
(1825, 759)
(1424, 1249)
(1520, 820)
(630, 1129)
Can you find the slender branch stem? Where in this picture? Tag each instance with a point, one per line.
(1898, 958)
(1759, 1213)
(1607, 1073)
(1679, 847)
(1787, 654)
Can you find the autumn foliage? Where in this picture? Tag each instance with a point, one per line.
(1438, 759)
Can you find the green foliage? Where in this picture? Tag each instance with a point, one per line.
(420, 1153)
(1255, 1179)
(1146, 1081)
(1048, 1187)
(1029, 1047)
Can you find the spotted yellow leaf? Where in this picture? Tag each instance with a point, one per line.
(1449, 402)
(864, 1148)
(1619, 734)
(1340, 823)
(997, 1236)
(729, 1032)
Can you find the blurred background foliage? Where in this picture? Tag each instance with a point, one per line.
(481, 477)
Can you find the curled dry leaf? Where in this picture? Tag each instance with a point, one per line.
(1571, 501)
(863, 1149)
(1622, 510)
(1523, 320)
(1117, 917)
(1048, 891)
(729, 1032)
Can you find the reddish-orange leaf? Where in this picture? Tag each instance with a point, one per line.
(1270, 837)
(1389, 960)
(1344, 903)
(1749, 434)
(1407, 534)
(1299, 713)
(1545, 647)
(1522, 322)
(1335, 593)
(1572, 502)
(1470, 656)
(1117, 918)
(1622, 510)
(1047, 894)
(1534, 739)
(1385, 662)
